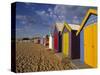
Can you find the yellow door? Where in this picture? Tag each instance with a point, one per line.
(95, 45)
(90, 45)
(65, 44)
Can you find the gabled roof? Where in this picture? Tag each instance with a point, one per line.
(59, 26)
(74, 26)
(67, 26)
(90, 11)
(71, 26)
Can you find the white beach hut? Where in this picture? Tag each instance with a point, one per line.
(50, 41)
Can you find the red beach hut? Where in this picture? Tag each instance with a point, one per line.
(58, 37)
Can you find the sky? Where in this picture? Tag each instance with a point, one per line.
(34, 19)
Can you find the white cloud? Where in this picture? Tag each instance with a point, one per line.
(75, 17)
(20, 17)
(75, 20)
(60, 12)
(41, 12)
(57, 14)
(49, 9)
(23, 22)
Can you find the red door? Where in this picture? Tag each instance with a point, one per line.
(55, 42)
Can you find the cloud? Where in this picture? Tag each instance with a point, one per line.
(21, 21)
(40, 12)
(27, 25)
(75, 20)
(61, 13)
(25, 20)
(51, 14)
(60, 10)
(37, 20)
(58, 13)
(20, 17)
(49, 9)
(66, 13)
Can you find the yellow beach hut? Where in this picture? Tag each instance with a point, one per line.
(89, 27)
(71, 42)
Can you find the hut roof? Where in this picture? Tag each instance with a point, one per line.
(59, 26)
(71, 26)
(89, 12)
(74, 26)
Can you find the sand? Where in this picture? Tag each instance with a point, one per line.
(32, 57)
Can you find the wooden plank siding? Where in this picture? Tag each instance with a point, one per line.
(90, 45)
(71, 42)
(89, 36)
(66, 44)
(58, 37)
(75, 45)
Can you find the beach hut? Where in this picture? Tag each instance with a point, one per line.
(71, 42)
(47, 41)
(50, 41)
(41, 40)
(88, 31)
(44, 40)
(58, 37)
(36, 40)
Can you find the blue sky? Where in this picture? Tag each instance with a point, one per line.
(38, 19)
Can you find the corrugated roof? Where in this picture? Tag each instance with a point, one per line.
(59, 26)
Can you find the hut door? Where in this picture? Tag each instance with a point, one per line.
(56, 42)
(65, 44)
(90, 45)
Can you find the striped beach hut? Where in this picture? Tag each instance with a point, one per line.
(88, 32)
(71, 42)
(58, 37)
